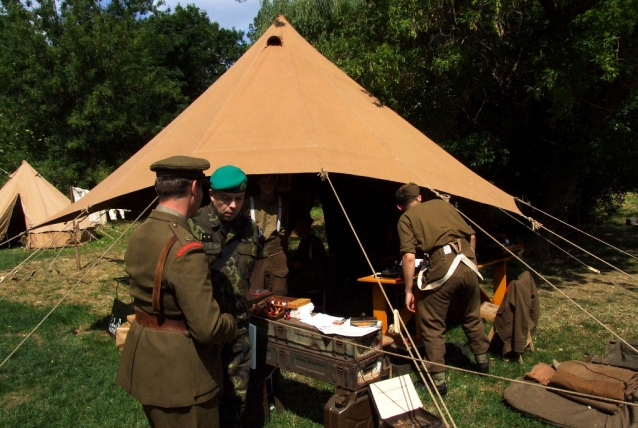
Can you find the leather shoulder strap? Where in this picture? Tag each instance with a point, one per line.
(159, 273)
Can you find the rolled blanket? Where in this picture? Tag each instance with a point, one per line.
(595, 379)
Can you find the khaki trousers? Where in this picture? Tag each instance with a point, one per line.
(271, 272)
(462, 290)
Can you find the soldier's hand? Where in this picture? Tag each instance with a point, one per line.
(409, 301)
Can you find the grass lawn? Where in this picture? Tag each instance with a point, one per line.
(64, 373)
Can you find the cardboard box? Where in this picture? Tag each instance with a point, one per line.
(399, 405)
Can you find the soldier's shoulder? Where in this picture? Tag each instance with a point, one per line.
(202, 214)
(185, 240)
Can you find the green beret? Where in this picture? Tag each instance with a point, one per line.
(410, 189)
(180, 166)
(229, 178)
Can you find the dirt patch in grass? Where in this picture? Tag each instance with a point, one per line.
(47, 279)
(13, 399)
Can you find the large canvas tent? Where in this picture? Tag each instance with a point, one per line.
(285, 108)
(27, 200)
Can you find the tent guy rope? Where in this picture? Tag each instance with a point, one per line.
(413, 348)
(459, 369)
(572, 256)
(552, 285)
(575, 228)
(39, 250)
(95, 263)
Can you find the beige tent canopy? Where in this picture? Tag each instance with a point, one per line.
(39, 200)
(284, 108)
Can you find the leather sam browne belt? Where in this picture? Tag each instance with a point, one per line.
(151, 321)
(157, 321)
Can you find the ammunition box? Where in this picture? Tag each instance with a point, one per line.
(299, 335)
(343, 374)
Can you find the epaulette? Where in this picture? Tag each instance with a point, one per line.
(185, 238)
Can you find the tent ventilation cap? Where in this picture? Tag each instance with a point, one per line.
(273, 41)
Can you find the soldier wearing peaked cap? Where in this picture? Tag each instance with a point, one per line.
(171, 360)
(230, 240)
(436, 228)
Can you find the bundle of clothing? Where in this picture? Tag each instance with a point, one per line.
(612, 393)
(592, 379)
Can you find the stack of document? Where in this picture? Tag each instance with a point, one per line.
(325, 323)
(303, 312)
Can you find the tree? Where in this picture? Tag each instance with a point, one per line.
(85, 85)
(536, 96)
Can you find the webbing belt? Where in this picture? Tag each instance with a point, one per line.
(460, 257)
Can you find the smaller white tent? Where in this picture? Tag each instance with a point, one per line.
(39, 200)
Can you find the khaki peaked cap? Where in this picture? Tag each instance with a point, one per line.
(180, 166)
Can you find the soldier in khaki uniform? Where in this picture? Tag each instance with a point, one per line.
(270, 211)
(171, 358)
(436, 228)
(230, 240)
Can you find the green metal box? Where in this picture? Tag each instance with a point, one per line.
(343, 374)
(302, 336)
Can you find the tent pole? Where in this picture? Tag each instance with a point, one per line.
(76, 241)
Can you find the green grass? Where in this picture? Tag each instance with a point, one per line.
(60, 376)
(64, 374)
(12, 257)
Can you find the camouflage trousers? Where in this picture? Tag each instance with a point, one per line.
(236, 366)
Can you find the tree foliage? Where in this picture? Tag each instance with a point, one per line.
(537, 96)
(86, 84)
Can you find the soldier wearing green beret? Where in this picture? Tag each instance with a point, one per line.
(436, 228)
(230, 240)
(171, 361)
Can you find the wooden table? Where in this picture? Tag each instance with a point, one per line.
(379, 303)
(499, 276)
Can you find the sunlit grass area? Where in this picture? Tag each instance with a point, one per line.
(63, 375)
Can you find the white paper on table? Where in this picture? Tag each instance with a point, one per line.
(325, 323)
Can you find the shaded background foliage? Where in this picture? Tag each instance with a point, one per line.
(537, 96)
(86, 85)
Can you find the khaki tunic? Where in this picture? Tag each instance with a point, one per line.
(173, 368)
(271, 266)
(267, 214)
(427, 227)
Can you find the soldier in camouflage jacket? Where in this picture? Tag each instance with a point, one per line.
(231, 248)
(230, 240)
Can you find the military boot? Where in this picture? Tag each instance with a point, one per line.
(482, 363)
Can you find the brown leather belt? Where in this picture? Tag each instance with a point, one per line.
(151, 321)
